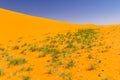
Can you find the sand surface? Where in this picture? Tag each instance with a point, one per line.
(34, 48)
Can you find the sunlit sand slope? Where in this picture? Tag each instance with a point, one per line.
(13, 24)
(34, 48)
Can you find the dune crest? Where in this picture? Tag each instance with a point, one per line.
(14, 23)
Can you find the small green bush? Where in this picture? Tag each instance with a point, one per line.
(1, 72)
(2, 49)
(16, 61)
(15, 47)
(24, 77)
(105, 79)
(70, 64)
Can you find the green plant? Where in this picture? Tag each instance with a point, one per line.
(25, 77)
(33, 48)
(99, 61)
(23, 51)
(90, 56)
(26, 68)
(71, 42)
(16, 61)
(1, 58)
(2, 49)
(25, 44)
(70, 64)
(66, 76)
(4, 54)
(15, 47)
(92, 67)
(85, 36)
(45, 49)
(49, 71)
(55, 55)
(103, 51)
(41, 55)
(1, 72)
(105, 79)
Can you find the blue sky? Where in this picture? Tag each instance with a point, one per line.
(75, 11)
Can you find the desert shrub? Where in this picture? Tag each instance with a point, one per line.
(15, 47)
(25, 77)
(85, 35)
(33, 48)
(26, 68)
(70, 64)
(68, 43)
(25, 44)
(45, 49)
(16, 61)
(4, 54)
(92, 67)
(66, 76)
(90, 56)
(105, 79)
(1, 72)
(23, 51)
(49, 71)
(2, 49)
(99, 61)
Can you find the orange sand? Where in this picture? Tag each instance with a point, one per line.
(17, 29)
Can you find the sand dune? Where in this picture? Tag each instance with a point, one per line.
(25, 24)
(35, 48)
